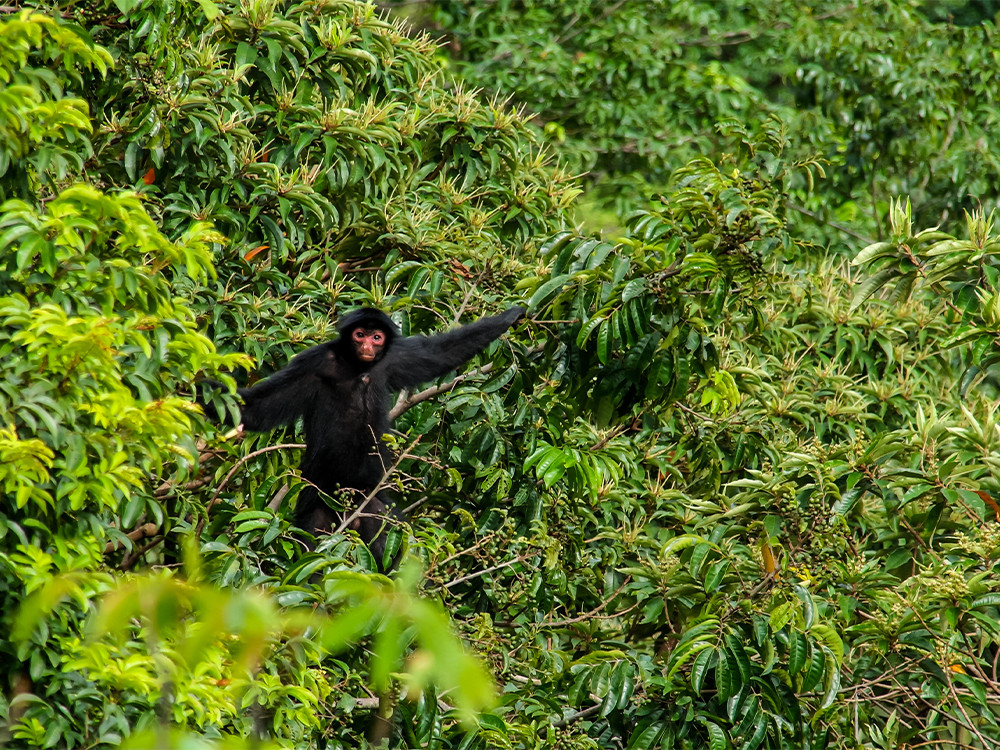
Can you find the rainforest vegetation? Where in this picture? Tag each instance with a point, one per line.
(732, 483)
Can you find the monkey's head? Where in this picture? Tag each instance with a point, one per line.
(367, 334)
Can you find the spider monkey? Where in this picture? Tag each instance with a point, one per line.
(340, 390)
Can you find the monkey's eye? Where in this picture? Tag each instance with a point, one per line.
(378, 337)
(358, 335)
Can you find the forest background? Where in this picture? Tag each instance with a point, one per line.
(733, 484)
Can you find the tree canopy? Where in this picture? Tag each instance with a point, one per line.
(733, 484)
(893, 96)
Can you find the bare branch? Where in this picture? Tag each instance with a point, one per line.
(168, 488)
(578, 714)
(132, 559)
(147, 529)
(414, 505)
(839, 227)
(592, 614)
(232, 471)
(278, 497)
(404, 404)
(378, 488)
(477, 574)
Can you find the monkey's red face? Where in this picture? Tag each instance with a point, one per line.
(368, 343)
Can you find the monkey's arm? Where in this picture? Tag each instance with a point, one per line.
(417, 359)
(283, 397)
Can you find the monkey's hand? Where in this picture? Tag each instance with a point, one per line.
(513, 314)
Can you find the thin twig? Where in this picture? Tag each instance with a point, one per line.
(604, 14)
(577, 716)
(479, 573)
(131, 560)
(764, 582)
(378, 487)
(465, 551)
(467, 297)
(612, 434)
(404, 404)
(414, 505)
(526, 680)
(593, 613)
(961, 707)
(839, 227)
(168, 488)
(232, 471)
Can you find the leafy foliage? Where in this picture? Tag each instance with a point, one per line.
(713, 493)
(42, 137)
(891, 94)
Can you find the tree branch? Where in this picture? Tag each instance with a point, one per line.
(404, 404)
(378, 488)
(278, 497)
(232, 471)
(578, 714)
(839, 227)
(131, 560)
(168, 488)
(147, 529)
(593, 613)
(477, 574)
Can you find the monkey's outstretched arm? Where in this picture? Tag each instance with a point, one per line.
(284, 396)
(417, 359)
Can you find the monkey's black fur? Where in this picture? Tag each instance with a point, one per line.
(344, 405)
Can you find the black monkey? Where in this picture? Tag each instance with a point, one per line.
(341, 390)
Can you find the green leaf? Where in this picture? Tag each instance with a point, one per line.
(717, 739)
(680, 656)
(703, 662)
(587, 329)
(829, 638)
(277, 241)
(739, 654)
(646, 737)
(831, 681)
(872, 284)
(724, 677)
(816, 669)
(210, 9)
(547, 291)
(798, 651)
(759, 732)
(627, 686)
(615, 686)
(246, 54)
(986, 600)
(634, 288)
(605, 342)
(875, 250)
(977, 689)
